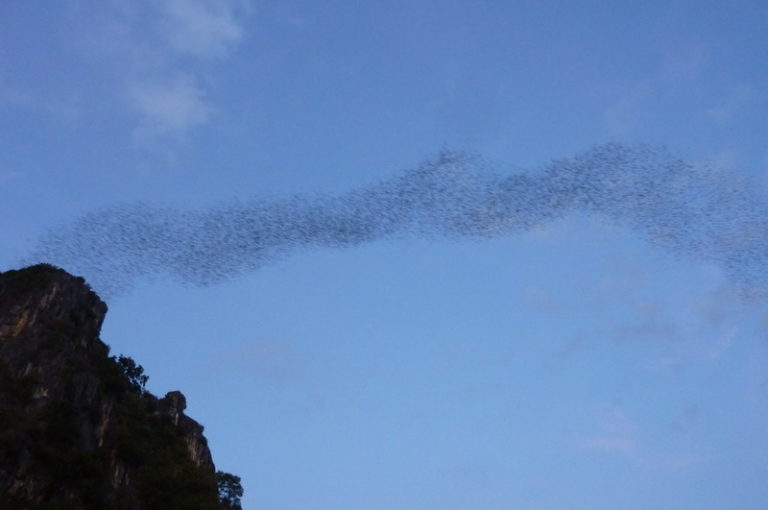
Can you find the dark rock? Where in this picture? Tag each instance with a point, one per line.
(74, 431)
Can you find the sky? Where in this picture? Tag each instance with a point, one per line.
(465, 346)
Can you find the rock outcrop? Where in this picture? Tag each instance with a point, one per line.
(77, 430)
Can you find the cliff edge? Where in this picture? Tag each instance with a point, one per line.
(77, 428)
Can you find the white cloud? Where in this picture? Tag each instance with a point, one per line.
(202, 28)
(158, 51)
(170, 106)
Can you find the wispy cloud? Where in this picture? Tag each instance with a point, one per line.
(169, 106)
(686, 64)
(691, 79)
(615, 434)
(680, 70)
(618, 434)
(271, 360)
(738, 98)
(202, 28)
(626, 112)
(16, 96)
(158, 52)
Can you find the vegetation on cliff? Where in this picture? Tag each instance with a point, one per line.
(78, 430)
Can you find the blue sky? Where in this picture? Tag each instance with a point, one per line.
(572, 366)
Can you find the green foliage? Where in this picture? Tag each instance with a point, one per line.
(77, 476)
(53, 437)
(153, 448)
(110, 373)
(148, 444)
(230, 490)
(133, 372)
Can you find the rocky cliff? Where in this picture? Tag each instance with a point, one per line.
(77, 428)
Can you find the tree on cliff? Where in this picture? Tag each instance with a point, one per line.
(78, 429)
(133, 372)
(230, 490)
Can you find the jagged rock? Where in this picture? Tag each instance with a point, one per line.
(74, 432)
(173, 405)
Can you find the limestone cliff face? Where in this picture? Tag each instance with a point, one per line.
(75, 430)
